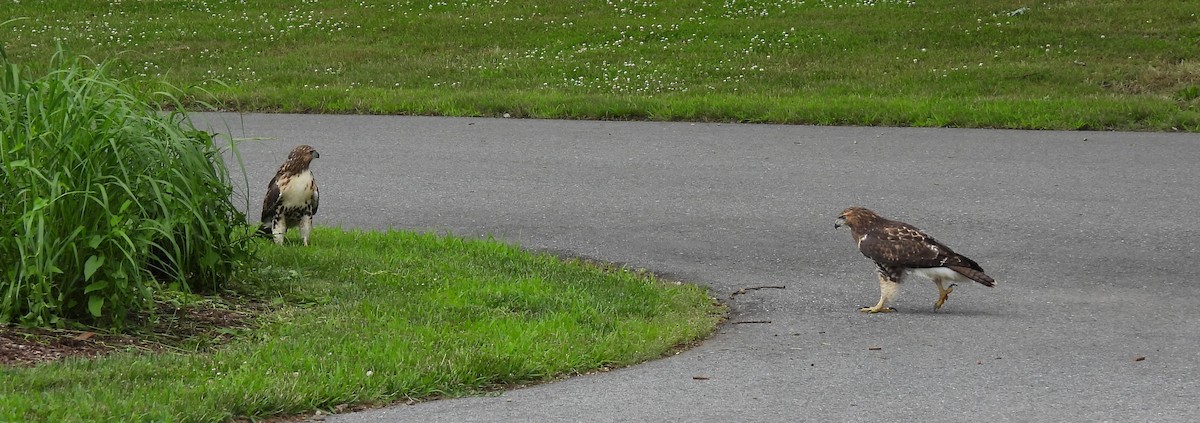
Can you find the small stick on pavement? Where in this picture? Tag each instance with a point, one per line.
(755, 288)
(750, 321)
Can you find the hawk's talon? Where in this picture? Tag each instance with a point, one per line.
(876, 310)
(943, 295)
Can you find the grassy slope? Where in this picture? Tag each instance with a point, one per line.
(379, 317)
(1079, 64)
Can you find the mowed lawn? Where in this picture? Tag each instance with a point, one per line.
(370, 318)
(1063, 65)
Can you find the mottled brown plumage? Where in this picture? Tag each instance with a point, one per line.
(292, 196)
(899, 249)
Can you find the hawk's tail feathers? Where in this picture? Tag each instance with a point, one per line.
(975, 275)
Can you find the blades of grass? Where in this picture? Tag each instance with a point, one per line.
(141, 188)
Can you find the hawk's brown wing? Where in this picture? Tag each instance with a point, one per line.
(316, 196)
(271, 201)
(902, 245)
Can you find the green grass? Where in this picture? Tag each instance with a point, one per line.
(1064, 65)
(373, 318)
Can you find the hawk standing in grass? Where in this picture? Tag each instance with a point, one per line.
(900, 249)
(291, 199)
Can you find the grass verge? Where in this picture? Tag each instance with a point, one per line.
(377, 317)
(1041, 65)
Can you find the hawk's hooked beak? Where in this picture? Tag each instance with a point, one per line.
(841, 220)
(316, 155)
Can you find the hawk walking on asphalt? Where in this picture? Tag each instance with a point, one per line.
(291, 199)
(900, 249)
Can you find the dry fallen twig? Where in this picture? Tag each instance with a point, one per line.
(755, 288)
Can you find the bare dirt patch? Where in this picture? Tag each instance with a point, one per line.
(184, 328)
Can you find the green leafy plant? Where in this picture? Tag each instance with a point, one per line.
(103, 197)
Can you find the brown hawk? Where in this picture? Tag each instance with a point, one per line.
(291, 199)
(900, 249)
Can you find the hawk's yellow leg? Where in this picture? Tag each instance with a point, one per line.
(943, 294)
(887, 288)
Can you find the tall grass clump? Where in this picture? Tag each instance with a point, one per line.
(103, 197)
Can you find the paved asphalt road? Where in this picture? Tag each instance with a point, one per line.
(1092, 236)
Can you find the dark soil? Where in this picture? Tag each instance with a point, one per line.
(183, 328)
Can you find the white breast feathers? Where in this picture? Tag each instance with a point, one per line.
(298, 190)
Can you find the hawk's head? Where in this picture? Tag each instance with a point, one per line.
(855, 217)
(299, 159)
